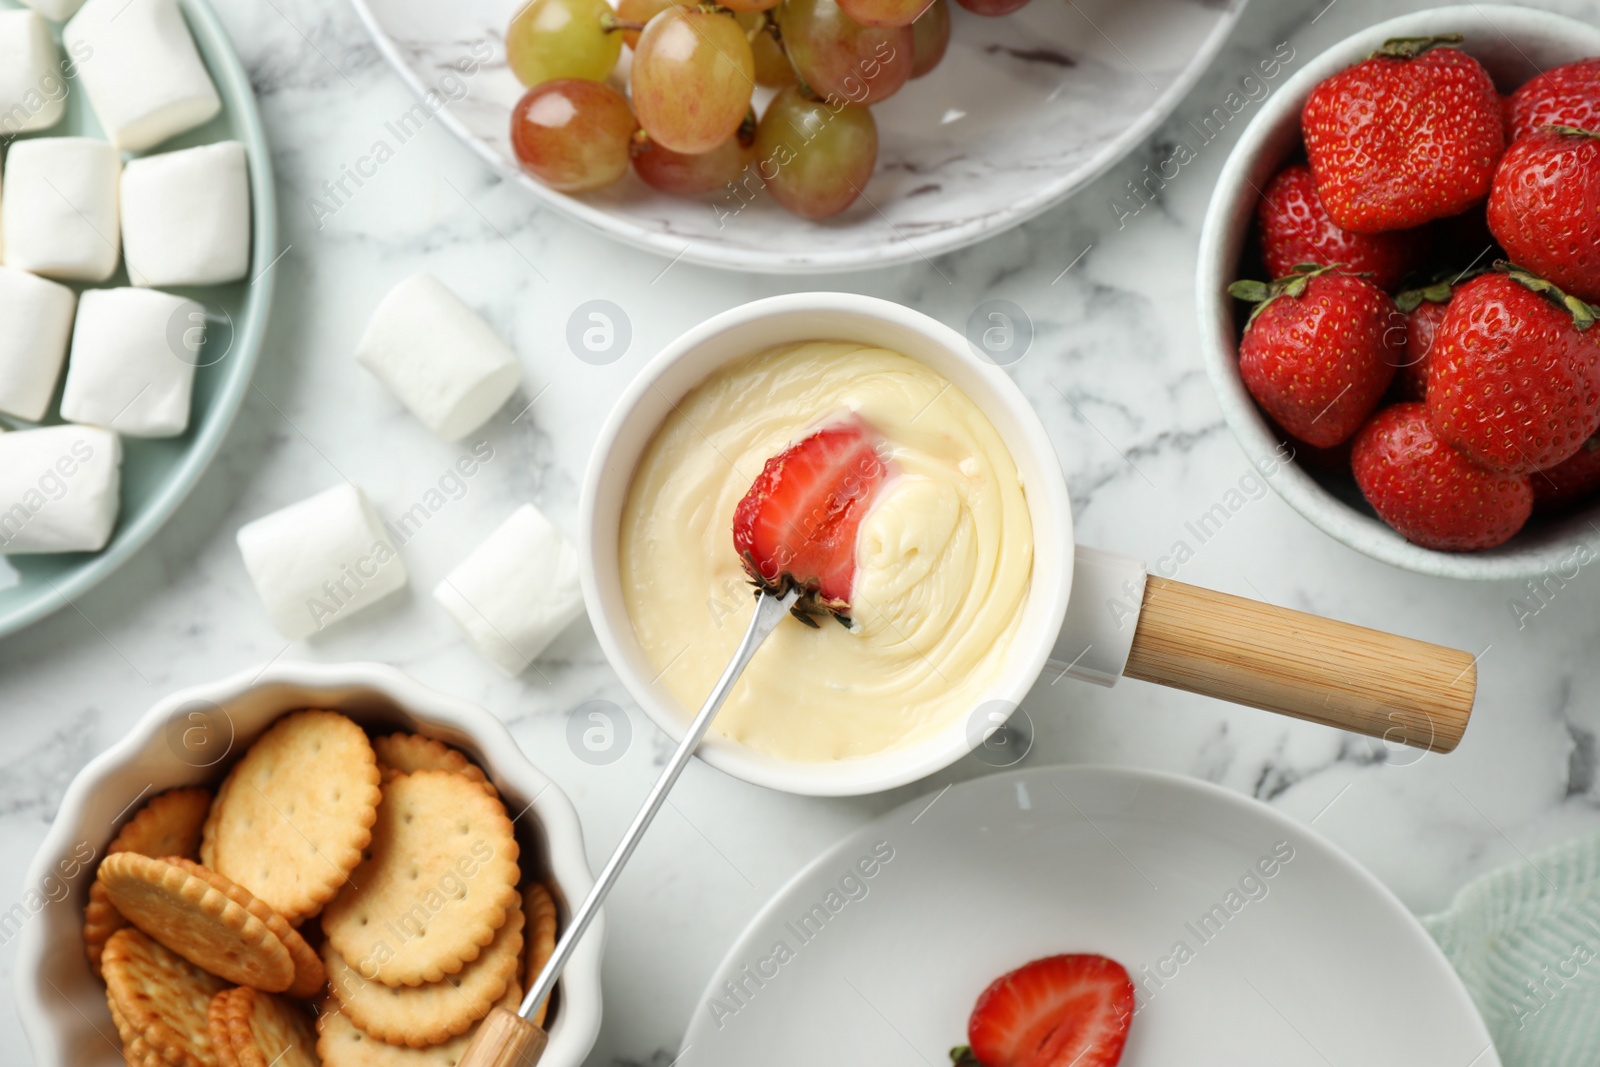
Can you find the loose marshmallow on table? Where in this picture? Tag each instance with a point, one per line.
(129, 368)
(35, 322)
(141, 70)
(439, 357)
(33, 94)
(516, 591)
(186, 216)
(320, 560)
(59, 489)
(59, 208)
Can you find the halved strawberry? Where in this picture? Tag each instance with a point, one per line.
(1060, 1011)
(797, 525)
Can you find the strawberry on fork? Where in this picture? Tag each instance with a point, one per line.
(797, 526)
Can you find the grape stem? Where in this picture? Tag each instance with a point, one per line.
(610, 23)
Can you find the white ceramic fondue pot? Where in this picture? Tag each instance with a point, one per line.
(1077, 615)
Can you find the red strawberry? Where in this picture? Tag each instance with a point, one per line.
(1434, 495)
(797, 525)
(1317, 353)
(1568, 95)
(1296, 229)
(1573, 479)
(1545, 207)
(1424, 310)
(1410, 135)
(1061, 1011)
(1515, 380)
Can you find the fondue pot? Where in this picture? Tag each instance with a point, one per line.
(1094, 615)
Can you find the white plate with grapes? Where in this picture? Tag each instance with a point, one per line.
(800, 136)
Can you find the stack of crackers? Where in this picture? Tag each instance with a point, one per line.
(342, 900)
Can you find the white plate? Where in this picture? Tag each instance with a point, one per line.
(1323, 967)
(998, 132)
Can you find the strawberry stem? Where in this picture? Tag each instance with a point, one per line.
(1412, 47)
(1292, 285)
(1573, 131)
(1411, 299)
(961, 1056)
(1583, 315)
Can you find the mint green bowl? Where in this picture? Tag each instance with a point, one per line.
(158, 475)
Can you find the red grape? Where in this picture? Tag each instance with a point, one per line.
(684, 175)
(839, 57)
(884, 12)
(573, 134)
(930, 36)
(642, 11)
(815, 155)
(993, 7)
(693, 74)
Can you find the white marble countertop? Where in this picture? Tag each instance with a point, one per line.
(1115, 370)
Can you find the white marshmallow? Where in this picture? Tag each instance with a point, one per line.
(129, 368)
(141, 70)
(33, 93)
(320, 560)
(37, 318)
(186, 216)
(516, 592)
(55, 10)
(59, 489)
(439, 357)
(59, 211)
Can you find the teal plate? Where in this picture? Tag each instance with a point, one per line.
(158, 475)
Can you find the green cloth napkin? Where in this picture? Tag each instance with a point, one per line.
(1526, 941)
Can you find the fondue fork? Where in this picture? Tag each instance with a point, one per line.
(507, 1040)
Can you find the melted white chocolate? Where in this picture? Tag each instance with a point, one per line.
(944, 555)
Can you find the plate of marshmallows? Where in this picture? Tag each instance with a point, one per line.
(137, 241)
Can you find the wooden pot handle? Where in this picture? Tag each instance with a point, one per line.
(504, 1040)
(1404, 691)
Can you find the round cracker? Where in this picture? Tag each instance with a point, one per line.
(309, 975)
(169, 824)
(409, 753)
(341, 1043)
(540, 908)
(268, 1031)
(190, 916)
(293, 815)
(101, 919)
(437, 882)
(161, 997)
(217, 1026)
(429, 1014)
(136, 1051)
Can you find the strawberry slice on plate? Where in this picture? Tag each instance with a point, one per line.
(797, 526)
(1060, 1011)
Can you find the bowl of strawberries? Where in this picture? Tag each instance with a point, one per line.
(1399, 279)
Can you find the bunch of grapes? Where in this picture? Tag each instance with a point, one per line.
(687, 126)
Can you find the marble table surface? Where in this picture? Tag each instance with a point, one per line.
(1115, 370)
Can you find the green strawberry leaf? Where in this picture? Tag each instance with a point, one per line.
(1253, 291)
(1412, 47)
(1411, 299)
(1583, 315)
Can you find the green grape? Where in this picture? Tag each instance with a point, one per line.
(815, 155)
(693, 75)
(773, 69)
(573, 134)
(551, 39)
(930, 36)
(839, 57)
(686, 175)
(749, 5)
